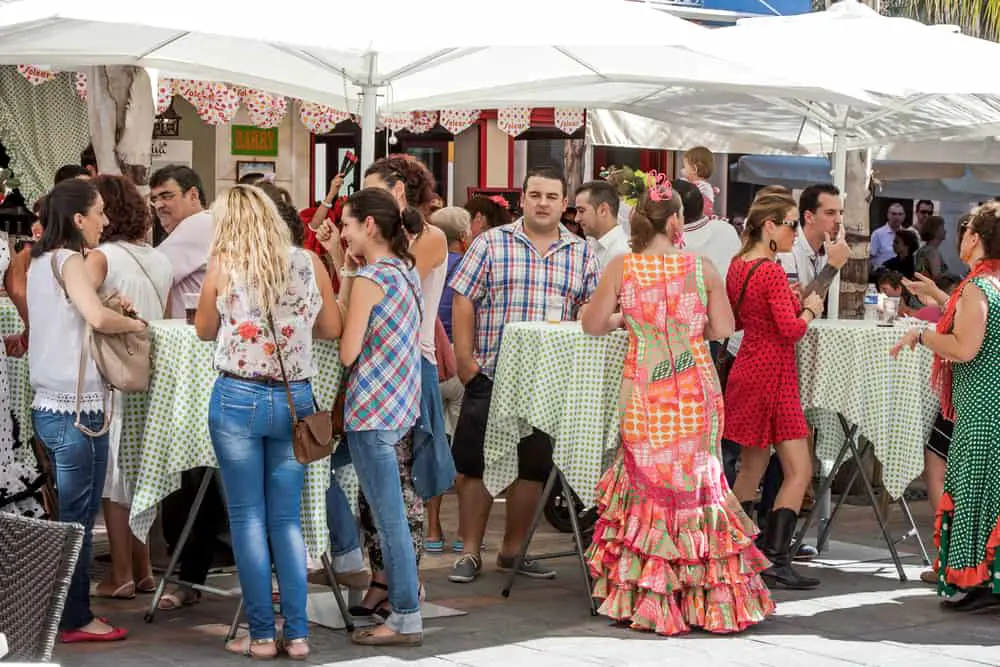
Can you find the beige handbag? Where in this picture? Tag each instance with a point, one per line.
(123, 360)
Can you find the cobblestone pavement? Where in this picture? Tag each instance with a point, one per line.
(862, 615)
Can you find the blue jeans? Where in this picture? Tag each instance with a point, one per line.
(80, 464)
(375, 461)
(345, 535)
(251, 429)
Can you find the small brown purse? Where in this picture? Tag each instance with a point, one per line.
(312, 436)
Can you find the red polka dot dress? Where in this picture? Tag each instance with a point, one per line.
(763, 406)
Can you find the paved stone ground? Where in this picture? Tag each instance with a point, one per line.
(862, 615)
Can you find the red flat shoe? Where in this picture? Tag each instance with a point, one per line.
(78, 636)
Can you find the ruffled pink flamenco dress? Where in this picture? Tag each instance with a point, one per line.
(672, 548)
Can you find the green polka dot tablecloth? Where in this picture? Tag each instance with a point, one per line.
(17, 376)
(845, 367)
(557, 379)
(166, 431)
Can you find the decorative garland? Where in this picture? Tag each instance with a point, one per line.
(217, 103)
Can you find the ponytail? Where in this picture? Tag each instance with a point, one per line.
(411, 223)
(392, 223)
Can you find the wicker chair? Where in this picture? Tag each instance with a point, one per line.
(36, 563)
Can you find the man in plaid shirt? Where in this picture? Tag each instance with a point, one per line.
(507, 275)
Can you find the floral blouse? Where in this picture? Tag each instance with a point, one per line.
(245, 345)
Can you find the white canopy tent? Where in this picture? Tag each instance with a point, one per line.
(902, 63)
(439, 59)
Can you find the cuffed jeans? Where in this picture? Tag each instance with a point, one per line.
(80, 463)
(251, 429)
(345, 534)
(377, 466)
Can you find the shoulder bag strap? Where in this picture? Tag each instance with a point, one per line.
(142, 268)
(739, 301)
(284, 376)
(87, 334)
(413, 291)
(56, 273)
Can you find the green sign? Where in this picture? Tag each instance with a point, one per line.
(250, 140)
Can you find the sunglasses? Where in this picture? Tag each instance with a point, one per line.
(785, 223)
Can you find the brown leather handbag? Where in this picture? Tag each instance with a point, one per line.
(123, 360)
(312, 436)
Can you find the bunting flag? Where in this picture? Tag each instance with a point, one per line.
(80, 85)
(402, 120)
(569, 120)
(457, 121)
(36, 74)
(320, 118)
(265, 109)
(165, 90)
(424, 121)
(514, 121)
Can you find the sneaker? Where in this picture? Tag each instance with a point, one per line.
(806, 552)
(466, 569)
(529, 568)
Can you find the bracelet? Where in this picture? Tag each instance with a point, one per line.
(811, 312)
(344, 273)
(326, 203)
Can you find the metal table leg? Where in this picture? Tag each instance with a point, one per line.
(580, 548)
(168, 577)
(535, 520)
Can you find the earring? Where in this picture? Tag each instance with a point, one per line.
(772, 245)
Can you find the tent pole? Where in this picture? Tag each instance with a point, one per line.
(839, 173)
(369, 125)
(588, 160)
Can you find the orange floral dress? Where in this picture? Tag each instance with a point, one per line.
(672, 547)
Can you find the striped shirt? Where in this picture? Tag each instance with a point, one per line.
(508, 280)
(383, 392)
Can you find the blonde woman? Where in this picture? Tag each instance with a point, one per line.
(263, 301)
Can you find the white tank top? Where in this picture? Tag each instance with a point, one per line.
(55, 337)
(148, 294)
(432, 286)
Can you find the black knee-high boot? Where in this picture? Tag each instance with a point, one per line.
(775, 542)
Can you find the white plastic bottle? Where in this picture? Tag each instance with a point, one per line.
(871, 303)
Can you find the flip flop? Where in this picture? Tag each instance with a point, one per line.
(146, 589)
(434, 546)
(245, 646)
(178, 599)
(124, 592)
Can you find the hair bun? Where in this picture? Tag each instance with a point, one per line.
(412, 221)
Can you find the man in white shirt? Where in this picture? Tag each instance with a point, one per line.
(818, 253)
(707, 236)
(176, 193)
(597, 213)
(884, 237)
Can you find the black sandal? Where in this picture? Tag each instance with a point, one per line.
(361, 611)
